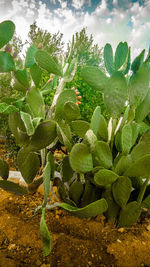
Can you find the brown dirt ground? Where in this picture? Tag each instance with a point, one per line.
(76, 242)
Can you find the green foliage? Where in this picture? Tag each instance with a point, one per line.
(83, 163)
(108, 58)
(12, 187)
(45, 235)
(4, 169)
(90, 210)
(111, 157)
(52, 43)
(46, 62)
(116, 89)
(105, 177)
(6, 62)
(29, 164)
(7, 29)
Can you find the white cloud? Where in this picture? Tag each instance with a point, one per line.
(131, 25)
(77, 4)
(63, 4)
(101, 9)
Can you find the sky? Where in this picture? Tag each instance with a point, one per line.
(109, 21)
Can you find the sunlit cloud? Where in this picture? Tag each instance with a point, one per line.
(126, 22)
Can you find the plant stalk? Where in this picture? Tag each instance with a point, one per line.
(43, 156)
(142, 191)
(58, 91)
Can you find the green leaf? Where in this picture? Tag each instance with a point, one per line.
(76, 191)
(143, 109)
(121, 54)
(26, 118)
(12, 187)
(141, 149)
(141, 167)
(4, 169)
(126, 138)
(66, 170)
(95, 120)
(123, 164)
(80, 127)
(36, 121)
(113, 209)
(82, 163)
(7, 109)
(91, 193)
(138, 61)
(71, 70)
(116, 89)
(44, 135)
(102, 130)
(36, 102)
(127, 64)
(46, 62)
(94, 77)
(29, 61)
(17, 127)
(146, 137)
(29, 164)
(105, 177)
(6, 62)
(19, 87)
(91, 210)
(64, 97)
(118, 141)
(121, 189)
(7, 29)
(108, 58)
(50, 158)
(45, 235)
(90, 140)
(129, 214)
(64, 134)
(138, 86)
(71, 111)
(135, 132)
(46, 183)
(22, 77)
(103, 154)
(36, 74)
(146, 203)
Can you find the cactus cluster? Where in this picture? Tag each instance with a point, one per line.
(106, 166)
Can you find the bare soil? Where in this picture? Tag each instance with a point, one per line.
(76, 242)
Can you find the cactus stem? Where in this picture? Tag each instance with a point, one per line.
(82, 179)
(58, 91)
(43, 156)
(142, 191)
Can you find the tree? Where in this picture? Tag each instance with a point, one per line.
(52, 43)
(86, 53)
(84, 50)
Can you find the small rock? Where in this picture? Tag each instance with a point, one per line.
(148, 227)
(121, 230)
(11, 246)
